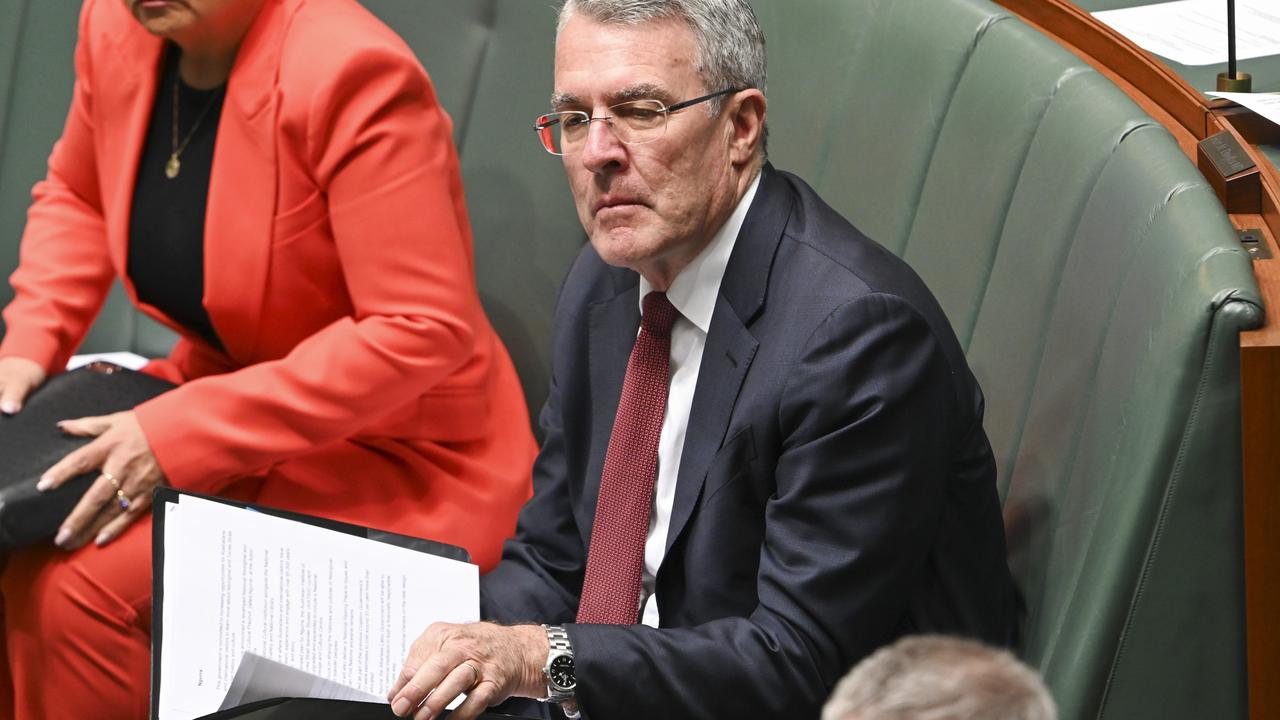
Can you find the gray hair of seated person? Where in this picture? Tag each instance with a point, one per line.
(932, 677)
(729, 42)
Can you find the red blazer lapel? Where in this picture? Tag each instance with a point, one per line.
(242, 188)
(123, 98)
(242, 185)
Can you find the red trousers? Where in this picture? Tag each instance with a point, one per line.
(84, 648)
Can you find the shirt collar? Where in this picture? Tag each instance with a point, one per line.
(695, 289)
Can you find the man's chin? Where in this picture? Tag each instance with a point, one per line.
(619, 246)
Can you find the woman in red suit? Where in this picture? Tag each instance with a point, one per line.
(274, 180)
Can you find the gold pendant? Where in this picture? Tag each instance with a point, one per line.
(172, 167)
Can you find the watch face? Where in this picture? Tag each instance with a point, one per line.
(561, 674)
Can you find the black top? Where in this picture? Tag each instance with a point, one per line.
(166, 230)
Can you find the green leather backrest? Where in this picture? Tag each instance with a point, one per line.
(856, 108)
(1089, 272)
(451, 40)
(526, 227)
(35, 86)
(1099, 291)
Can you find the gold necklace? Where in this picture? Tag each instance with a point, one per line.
(174, 166)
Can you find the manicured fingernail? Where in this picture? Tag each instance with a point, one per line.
(64, 535)
(8, 407)
(103, 538)
(401, 708)
(45, 483)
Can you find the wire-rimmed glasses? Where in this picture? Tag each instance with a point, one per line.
(634, 122)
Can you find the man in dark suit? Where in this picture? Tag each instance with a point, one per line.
(763, 454)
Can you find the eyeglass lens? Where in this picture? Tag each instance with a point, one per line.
(633, 122)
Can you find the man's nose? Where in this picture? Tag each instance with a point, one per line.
(602, 150)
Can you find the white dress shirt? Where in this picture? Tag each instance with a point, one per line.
(693, 293)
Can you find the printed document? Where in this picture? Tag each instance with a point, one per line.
(261, 679)
(1265, 104)
(338, 607)
(1194, 32)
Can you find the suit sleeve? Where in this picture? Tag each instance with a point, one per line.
(865, 418)
(383, 155)
(64, 270)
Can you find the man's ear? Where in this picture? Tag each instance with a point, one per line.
(746, 116)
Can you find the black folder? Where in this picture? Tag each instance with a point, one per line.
(281, 708)
(312, 709)
(31, 443)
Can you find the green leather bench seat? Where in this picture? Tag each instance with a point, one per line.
(1099, 292)
(1090, 273)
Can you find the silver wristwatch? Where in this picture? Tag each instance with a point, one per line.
(562, 680)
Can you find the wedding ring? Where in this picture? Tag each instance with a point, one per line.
(120, 498)
(112, 479)
(475, 674)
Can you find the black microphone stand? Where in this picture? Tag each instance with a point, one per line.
(1232, 81)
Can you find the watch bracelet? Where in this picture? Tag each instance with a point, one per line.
(558, 641)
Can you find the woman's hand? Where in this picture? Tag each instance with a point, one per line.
(18, 377)
(121, 494)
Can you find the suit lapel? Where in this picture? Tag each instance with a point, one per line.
(125, 103)
(730, 346)
(612, 329)
(242, 187)
(242, 184)
(726, 358)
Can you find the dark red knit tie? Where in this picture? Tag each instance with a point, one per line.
(611, 590)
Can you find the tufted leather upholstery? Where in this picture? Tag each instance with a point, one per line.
(1086, 266)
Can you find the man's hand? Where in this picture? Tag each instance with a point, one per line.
(488, 662)
(121, 494)
(18, 377)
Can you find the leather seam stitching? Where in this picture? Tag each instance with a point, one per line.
(1157, 534)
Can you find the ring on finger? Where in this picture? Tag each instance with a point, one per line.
(115, 482)
(475, 673)
(122, 500)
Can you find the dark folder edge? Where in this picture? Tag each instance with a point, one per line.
(311, 708)
(165, 495)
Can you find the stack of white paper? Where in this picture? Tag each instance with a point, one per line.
(123, 359)
(1194, 32)
(339, 607)
(1265, 104)
(261, 679)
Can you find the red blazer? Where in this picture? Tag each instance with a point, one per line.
(359, 365)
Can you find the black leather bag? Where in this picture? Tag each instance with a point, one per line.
(31, 443)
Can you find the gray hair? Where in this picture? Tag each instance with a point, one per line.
(931, 677)
(729, 42)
